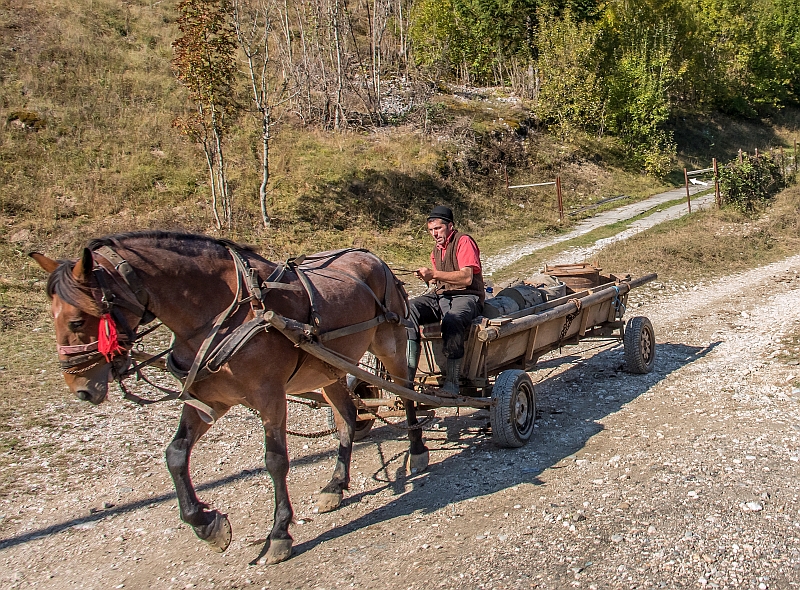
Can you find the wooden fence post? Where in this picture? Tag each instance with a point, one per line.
(688, 198)
(560, 200)
(795, 156)
(716, 185)
(740, 155)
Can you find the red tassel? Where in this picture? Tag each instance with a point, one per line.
(107, 338)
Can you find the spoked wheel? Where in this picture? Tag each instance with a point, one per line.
(513, 409)
(640, 345)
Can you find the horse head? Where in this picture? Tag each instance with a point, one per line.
(77, 310)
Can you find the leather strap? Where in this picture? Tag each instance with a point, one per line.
(353, 329)
(131, 280)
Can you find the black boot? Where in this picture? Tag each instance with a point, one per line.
(453, 373)
(412, 354)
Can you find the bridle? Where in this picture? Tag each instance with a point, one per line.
(133, 297)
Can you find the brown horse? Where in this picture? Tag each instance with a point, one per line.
(189, 282)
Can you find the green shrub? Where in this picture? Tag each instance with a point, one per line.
(750, 184)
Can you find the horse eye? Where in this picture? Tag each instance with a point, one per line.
(76, 325)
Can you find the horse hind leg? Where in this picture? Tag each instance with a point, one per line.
(209, 525)
(390, 348)
(344, 413)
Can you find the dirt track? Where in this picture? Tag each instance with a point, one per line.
(681, 478)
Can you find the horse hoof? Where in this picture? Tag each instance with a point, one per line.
(329, 501)
(279, 550)
(219, 533)
(419, 463)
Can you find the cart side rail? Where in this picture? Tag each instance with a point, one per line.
(493, 332)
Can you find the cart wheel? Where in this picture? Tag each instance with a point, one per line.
(513, 409)
(640, 345)
(364, 391)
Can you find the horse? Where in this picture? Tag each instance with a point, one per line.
(213, 295)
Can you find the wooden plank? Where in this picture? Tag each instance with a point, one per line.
(584, 319)
(474, 360)
(531, 344)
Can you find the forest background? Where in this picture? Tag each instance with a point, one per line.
(312, 124)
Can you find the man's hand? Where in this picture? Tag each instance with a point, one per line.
(425, 274)
(458, 278)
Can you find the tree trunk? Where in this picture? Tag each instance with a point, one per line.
(262, 189)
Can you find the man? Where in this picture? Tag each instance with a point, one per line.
(457, 297)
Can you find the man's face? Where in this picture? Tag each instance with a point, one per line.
(439, 229)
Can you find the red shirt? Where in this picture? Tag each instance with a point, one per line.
(467, 253)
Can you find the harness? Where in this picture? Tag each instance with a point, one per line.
(210, 358)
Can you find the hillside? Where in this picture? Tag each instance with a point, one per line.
(88, 99)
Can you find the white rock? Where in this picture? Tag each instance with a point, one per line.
(617, 538)
(85, 526)
(754, 506)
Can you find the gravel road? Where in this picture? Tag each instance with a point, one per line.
(493, 264)
(684, 477)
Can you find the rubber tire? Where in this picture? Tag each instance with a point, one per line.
(640, 345)
(513, 410)
(362, 428)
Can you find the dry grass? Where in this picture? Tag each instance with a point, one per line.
(711, 243)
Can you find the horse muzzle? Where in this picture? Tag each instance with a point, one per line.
(91, 387)
(86, 395)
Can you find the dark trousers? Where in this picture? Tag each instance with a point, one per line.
(456, 313)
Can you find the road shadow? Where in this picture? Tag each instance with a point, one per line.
(570, 409)
(570, 406)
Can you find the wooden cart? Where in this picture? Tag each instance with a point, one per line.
(500, 351)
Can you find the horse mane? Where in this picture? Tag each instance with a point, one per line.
(172, 240)
(62, 283)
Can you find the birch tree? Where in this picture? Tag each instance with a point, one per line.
(254, 22)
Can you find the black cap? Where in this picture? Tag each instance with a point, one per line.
(441, 212)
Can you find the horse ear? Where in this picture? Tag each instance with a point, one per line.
(48, 264)
(83, 268)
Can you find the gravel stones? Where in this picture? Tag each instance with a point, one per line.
(682, 478)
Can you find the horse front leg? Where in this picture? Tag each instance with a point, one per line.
(344, 413)
(276, 457)
(209, 525)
